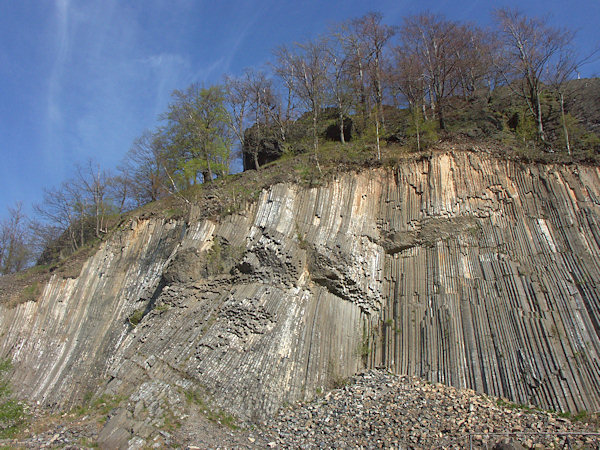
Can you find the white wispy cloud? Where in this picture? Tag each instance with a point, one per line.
(54, 117)
(62, 49)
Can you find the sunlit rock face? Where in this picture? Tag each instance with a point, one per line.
(458, 268)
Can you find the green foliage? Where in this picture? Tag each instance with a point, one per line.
(136, 317)
(170, 422)
(364, 348)
(581, 416)
(214, 258)
(106, 403)
(503, 403)
(582, 142)
(221, 257)
(12, 413)
(87, 443)
(589, 143)
(421, 134)
(198, 133)
(215, 415)
(239, 194)
(31, 292)
(302, 242)
(526, 128)
(101, 405)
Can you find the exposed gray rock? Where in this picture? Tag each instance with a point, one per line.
(458, 268)
(187, 266)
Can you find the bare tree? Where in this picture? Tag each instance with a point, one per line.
(529, 47)
(407, 81)
(120, 190)
(43, 236)
(15, 249)
(357, 53)
(93, 184)
(251, 97)
(557, 78)
(283, 110)
(339, 79)
(375, 35)
(438, 43)
(474, 55)
(262, 103)
(64, 209)
(306, 66)
(145, 166)
(237, 98)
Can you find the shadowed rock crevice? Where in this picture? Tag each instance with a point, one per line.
(333, 272)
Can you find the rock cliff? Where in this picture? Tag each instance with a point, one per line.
(458, 268)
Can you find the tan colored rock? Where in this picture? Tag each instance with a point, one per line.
(461, 269)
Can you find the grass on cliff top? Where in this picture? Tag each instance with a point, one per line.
(233, 193)
(28, 284)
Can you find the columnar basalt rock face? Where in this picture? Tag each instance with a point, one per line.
(457, 268)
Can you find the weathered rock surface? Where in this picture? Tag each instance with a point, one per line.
(458, 268)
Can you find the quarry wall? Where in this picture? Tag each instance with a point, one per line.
(458, 268)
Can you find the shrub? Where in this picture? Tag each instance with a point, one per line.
(136, 317)
(12, 413)
(427, 131)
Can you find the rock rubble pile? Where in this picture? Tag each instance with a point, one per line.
(374, 409)
(380, 410)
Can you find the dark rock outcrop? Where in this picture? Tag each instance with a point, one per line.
(264, 149)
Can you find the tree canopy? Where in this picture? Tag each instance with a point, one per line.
(368, 80)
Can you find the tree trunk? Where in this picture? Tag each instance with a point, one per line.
(256, 165)
(538, 118)
(341, 117)
(441, 118)
(315, 137)
(98, 220)
(363, 96)
(82, 235)
(73, 237)
(416, 116)
(432, 102)
(564, 123)
(256, 144)
(210, 172)
(377, 135)
(378, 92)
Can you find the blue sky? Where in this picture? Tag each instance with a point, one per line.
(82, 79)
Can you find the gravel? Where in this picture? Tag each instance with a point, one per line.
(380, 410)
